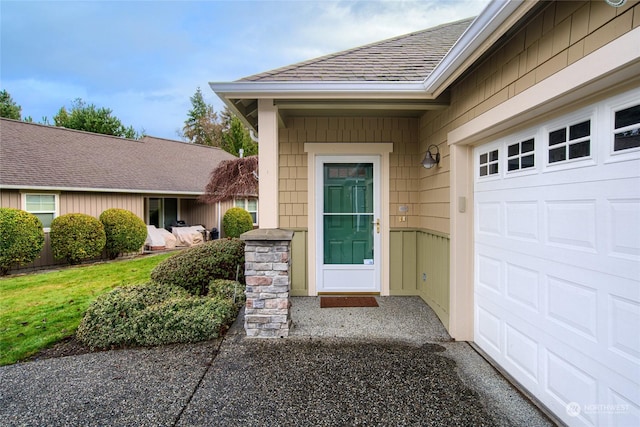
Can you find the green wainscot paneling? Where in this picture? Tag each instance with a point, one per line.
(299, 271)
(419, 265)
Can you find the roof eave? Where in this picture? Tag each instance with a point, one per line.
(486, 29)
(320, 89)
(97, 190)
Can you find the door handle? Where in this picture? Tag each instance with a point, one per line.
(377, 223)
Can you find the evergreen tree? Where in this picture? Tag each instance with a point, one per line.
(92, 119)
(202, 125)
(8, 108)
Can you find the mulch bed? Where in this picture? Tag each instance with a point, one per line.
(334, 302)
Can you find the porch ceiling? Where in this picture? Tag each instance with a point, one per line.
(248, 108)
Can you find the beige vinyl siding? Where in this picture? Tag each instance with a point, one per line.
(415, 253)
(404, 162)
(194, 212)
(10, 199)
(95, 203)
(560, 34)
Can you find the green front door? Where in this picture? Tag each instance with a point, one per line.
(349, 224)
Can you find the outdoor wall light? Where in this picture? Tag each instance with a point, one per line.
(430, 160)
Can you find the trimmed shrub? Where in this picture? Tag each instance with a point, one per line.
(76, 237)
(153, 314)
(193, 268)
(125, 232)
(22, 238)
(236, 221)
(227, 289)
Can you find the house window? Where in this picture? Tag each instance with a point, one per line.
(627, 129)
(520, 155)
(44, 206)
(489, 163)
(570, 142)
(249, 205)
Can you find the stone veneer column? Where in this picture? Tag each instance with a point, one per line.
(268, 278)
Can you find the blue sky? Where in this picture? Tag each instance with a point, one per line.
(145, 59)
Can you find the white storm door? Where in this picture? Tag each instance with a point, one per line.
(348, 223)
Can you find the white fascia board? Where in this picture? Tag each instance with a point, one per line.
(489, 20)
(320, 89)
(97, 190)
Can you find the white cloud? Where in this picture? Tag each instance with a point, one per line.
(144, 60)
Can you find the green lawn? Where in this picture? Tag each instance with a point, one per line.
(39, 309)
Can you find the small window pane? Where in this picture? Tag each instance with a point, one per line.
(513, 150)
(483, 170)
(239, 203)
(252, 205)
(493, 155)
(40, 202)
(557, 136)
(627, 117)
(581, 149)
(483, 158)
(580, 130)
(626, 140)
(527, 146)
(493, 168)
(45, 218)
(557, 155)
(513, 164)
(527, 161)
(254, 216)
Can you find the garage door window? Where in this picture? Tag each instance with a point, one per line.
(520, 155)
(570, 142)
(627, 129)
(489, 163)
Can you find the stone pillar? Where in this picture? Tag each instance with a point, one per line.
(268, 277)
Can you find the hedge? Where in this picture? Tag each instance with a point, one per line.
(125, 232)
(22, 238)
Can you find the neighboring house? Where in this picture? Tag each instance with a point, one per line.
(525, 237)
(52, 171)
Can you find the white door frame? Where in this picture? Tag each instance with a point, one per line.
(349, 273)
(382, 150)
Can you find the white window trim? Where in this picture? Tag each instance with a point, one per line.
(566, 121)
(626, 100)
(245, 202)
(56, 201)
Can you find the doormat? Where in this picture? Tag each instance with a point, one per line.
(333, 302)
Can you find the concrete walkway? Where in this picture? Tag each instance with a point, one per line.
(390, 365)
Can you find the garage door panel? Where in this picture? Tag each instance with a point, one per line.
(623, 215)
(557, 264)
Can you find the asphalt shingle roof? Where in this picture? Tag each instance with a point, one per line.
(34, 155)
(411, 57)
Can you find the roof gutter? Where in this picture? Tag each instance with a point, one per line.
(481, 29)
(320, 89)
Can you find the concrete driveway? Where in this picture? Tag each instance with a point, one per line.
(398, 367)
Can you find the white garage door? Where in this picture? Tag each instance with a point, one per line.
(557, 261)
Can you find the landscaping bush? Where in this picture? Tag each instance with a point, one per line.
(22, 238)
(76, 237)
(153, 314)
(228, 289)
(125, 232)
(193, 268)
(236, 221)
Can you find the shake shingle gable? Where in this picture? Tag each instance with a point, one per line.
(38, 156)
(410, 57)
